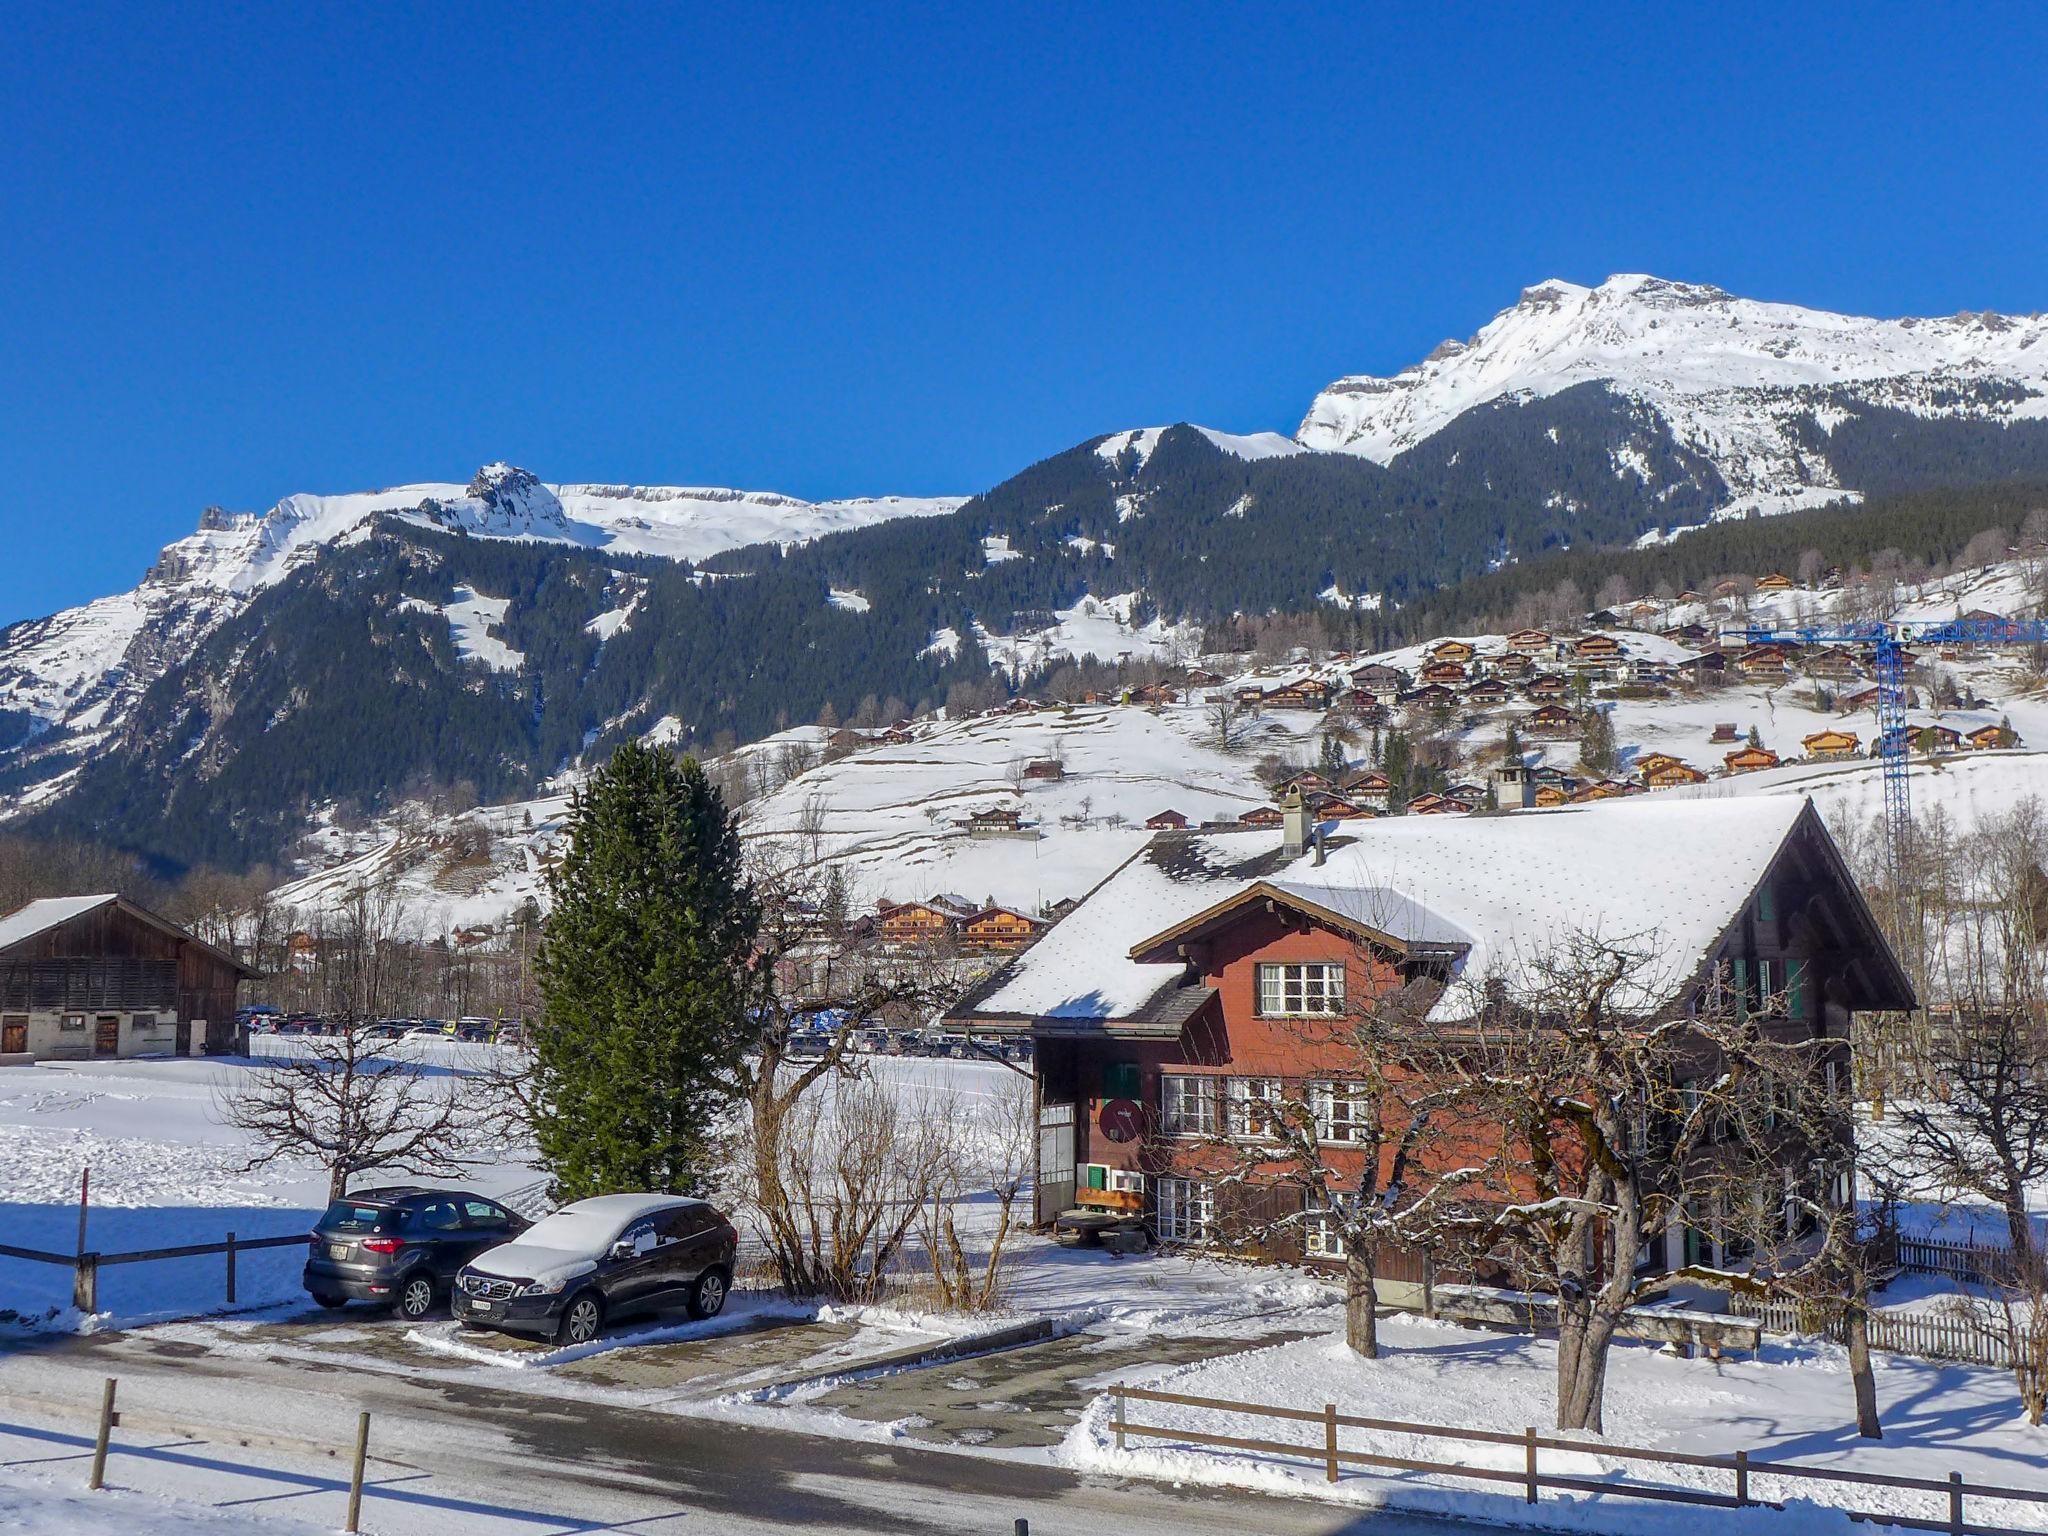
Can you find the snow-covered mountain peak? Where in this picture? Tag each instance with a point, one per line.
(1729, 375)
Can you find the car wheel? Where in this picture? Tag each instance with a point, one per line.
(707, 1296)
(581, 1319)
(415, 1299)
(332, 1300)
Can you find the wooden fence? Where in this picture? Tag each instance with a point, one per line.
(1977, 1263)
(1927, 1335)
(85, 1267)
(1531, 1479)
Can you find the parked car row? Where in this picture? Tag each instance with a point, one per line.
(416, 1249)
(476, 1030)
(813, 1043)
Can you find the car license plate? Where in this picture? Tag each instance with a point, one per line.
(479, 1306)
(338, 1250)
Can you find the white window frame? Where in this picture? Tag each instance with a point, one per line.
(1301, 989)
(1329, 1098)
(1187, 1104)
(1321, 1235)
(1184, 1210)
(1242, 1094)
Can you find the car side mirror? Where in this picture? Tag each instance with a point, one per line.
(623, 1250)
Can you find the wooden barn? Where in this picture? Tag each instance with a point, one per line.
(88, 976)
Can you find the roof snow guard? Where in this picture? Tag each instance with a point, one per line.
(1484, 895)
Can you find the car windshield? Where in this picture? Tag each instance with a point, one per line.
(573, 1232)
(353, 1216)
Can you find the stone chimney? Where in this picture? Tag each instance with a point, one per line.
(1294, 823)
(1514, 789)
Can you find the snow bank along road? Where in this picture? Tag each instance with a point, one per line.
(472, 1459)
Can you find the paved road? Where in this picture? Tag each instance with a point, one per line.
(486, 1459)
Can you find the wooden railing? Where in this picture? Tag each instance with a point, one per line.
(1978, 1262)
(1925, 1335)
(85, 1267)
(1531, 1479)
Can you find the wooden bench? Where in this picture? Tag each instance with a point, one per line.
(1691, 1331)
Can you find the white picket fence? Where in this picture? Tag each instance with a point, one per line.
(1979, 1340)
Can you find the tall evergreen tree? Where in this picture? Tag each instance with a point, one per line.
(643, 972)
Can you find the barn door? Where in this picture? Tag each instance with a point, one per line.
(14, 1035)
(1055, 1160)
(106, 1035)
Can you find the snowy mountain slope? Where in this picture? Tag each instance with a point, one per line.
(1746, 384)
(82, 669)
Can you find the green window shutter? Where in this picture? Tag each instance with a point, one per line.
(1739, 969)
(1098, 1176)
(1766, 904)
(1795, 988)
(1120, 1080)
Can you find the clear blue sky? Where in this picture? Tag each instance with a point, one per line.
(248, 252)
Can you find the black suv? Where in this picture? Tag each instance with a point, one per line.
(402, 1246)
(600, 1258)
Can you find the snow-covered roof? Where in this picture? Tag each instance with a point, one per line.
(1497, 890)
(24, 923)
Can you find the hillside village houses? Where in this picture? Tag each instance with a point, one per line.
(1201, 976)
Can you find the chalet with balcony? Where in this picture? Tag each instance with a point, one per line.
(1048, 770)
(1831, 744)
(1369, 787)
(1764, 661)
(1381, 681)
(1512, 667)
(1488, 693)
(1548, 686)
(1933, 740)
(1452, 650)
(1750, 759)
(999, 930)
(1260, 816)
(1531, 642)
(1166, 821)
(1305, 693)
(1990, 738)
(912, 924)
(994, 821)
(84, 976)
(1672, 774)
(1205, 974)
(1777, 581)
(1553, 722)
(1341, 808)
(1449, 673)
(1430, 696)
(1596, 651)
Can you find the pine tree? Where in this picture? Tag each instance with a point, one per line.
(642, 972)
(1756, 737)
(1398, 764)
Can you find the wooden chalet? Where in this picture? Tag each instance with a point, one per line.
(1531, 642)
(1694, 635)
(1304, 779)
(1430, 696)
(1446, 672)
(1547, 685)
(1512, 666)
(999, 929)
(1192, 981)
(101, 975)
(1833, 662)
(1547, 796)
(1552, 722)
(1596, 651)
(1369, 787)
(1777, 581)
(1155, 694)
(1260, 816)
(1831, 743)
(1764, 661)
(1724, 731)
(1307, 693)
(1990, 738)
(1932, 740)
(1599, 789)
(1201, 677)
(1670, 775)
(1654, 760)
(1863, 698)
(910, 924)
(1341, 808)
(1452, 650)
(1167, 821)
(994, 820)
(1750, 759)
(1380, 680)
(1049, 769)
(1488, 692)
(1251, 693)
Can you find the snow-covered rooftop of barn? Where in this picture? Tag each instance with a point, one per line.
(1666, 876)
(51, 911)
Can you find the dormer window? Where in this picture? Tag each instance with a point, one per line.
(1306, 990)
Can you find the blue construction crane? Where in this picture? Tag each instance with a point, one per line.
(1888, 644)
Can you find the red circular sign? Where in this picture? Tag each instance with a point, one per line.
(1120, 1119)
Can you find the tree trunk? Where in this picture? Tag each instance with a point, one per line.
(1583, 1337)
(337, 1182)
(1860, 1373)
(1361, 1311)
(2019, 1230)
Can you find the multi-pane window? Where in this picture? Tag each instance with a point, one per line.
(1311, 989)
(1342, 1112)
(1254, 1106)
(1187, 1105)
(1186, 1210)
(1323, 1232)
